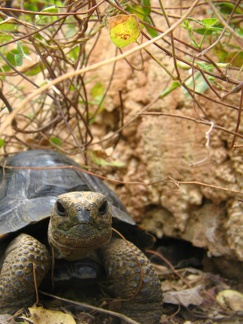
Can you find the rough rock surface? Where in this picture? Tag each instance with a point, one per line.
(168, 150)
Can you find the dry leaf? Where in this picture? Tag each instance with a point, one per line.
(184, 297)
(40, 315)
(230, 299)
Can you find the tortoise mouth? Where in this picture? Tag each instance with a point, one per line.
(75, 247)
(78, 244)
(81, 235)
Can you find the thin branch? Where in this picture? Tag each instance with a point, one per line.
(238, 119)
(237, 37)
(95, 66)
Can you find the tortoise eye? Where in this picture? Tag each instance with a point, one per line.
(60, 208)
(103, 208)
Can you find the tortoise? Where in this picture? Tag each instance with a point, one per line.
(48, 205)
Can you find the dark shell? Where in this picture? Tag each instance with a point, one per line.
(27, 195)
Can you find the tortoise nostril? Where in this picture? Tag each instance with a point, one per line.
(83, 215)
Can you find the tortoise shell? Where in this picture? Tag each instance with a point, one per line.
(31, 181)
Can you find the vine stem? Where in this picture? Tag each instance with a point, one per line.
(68, 75)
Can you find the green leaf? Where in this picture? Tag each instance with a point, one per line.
(143, 14)
(227, 7)
(209, 22)
(205, 31)
(5, 68)
(152, 32)
(186, 25)
(51, 9)
(18, 59)
(222, 65)
(197, 83)
(124, 29)
(229, 54)
(239, 31)
(173, 86)
(31, 5)
(146, 7)
(35, 70)
(41, 19)
(183, 65)
(97, 90)
(10, 56)
(7, 26)
(102, 162)
(138, 11)
(56, 141)
(19, 55)
(4, 38)
(74, 52)
(205, 66)
(117, 164)
(1, 142)
(141, 11)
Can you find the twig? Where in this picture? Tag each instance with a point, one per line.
(224, 23)
(238, 119)
(207, 145)
(45, 87)
(159, 255)
(197, 121)
(97, 309)
(222, 33)
(145, 183)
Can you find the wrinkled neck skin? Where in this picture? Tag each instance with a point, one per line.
(72, 249)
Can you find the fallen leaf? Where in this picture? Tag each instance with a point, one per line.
(230, 299)
(184, 297)
(40, 315)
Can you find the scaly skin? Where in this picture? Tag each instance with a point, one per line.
(81, 229)
(17, 287)
(120, 259)
(80, 225)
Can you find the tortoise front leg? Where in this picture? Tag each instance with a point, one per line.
(23, 256)
(121, 263)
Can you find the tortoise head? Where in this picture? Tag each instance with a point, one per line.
(80, 223)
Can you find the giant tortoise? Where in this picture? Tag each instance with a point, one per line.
(48, 206)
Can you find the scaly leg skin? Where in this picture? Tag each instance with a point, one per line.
(17, 287)
(121, 263)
